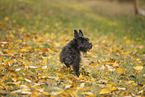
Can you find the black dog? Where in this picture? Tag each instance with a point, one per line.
(70, 53)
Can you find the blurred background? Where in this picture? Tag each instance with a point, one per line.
(115, 7)
(104, 17)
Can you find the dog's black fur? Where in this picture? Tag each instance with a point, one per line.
(70, 53)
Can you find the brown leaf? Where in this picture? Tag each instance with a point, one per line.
(3, 92)
(44, 50)
(95, 64)
(111, 61)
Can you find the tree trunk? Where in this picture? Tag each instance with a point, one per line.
(136, 7)
(137, 10)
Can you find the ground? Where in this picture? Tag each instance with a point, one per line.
(32, 34)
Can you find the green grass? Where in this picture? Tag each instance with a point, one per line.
(34, 25)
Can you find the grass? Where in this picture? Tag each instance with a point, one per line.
(36, 31)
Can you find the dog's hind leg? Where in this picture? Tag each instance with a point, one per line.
(68, 62)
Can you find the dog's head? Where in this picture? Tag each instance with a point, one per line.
(83, 43)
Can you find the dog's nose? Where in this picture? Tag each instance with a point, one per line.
(90, 45)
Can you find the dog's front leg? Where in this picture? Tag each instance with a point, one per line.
(76, 67)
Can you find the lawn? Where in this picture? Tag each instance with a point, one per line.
(33, 32)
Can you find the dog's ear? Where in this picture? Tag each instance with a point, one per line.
(76, 35)
(80, 33)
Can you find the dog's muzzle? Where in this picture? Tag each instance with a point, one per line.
(90, 45)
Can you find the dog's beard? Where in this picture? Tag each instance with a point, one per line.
(84, 50)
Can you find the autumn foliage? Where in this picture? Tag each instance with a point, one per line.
(30, 66)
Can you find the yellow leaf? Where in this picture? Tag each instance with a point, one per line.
(75, 94)
(47, 27)
(105, 91)
(125, 37)
(44, 60)
(23, 50)
(22, 29)
(114, 88)
(14, 79)
(35, 92)
(1, 87)
(53, 50)
(57, 93)
(81, 76)
(19, 41)
(74, 84)
(11, 52)
(6, 18)
(89, 55)
(18, 83)
(56, 24)
(128, 41)
(21, 78)
(129, 82)
(87, 93)
(45, 93)
(137, 59)
(5, 50)
(115, 64)
(120, 70)
(52, 36)
(92, 79)
(27, 63)
(132, 83)
(1, 67)
(138, 68)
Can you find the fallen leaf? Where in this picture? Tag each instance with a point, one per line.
(3, 92)
(23, 50)
(26, 93)
(87, 93)
(6, 18)
(120, 70)
(121, 88)
(95, 64)
(128, 41)
(105, 91)
(115, 64)
(138, 68)
(111, 61)
(44, 67)
(44, 50)
(45, 60)
(28, 80)
(46, 93)
(57, 93)
(16, 91)
(68, 86)
(34, 67)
